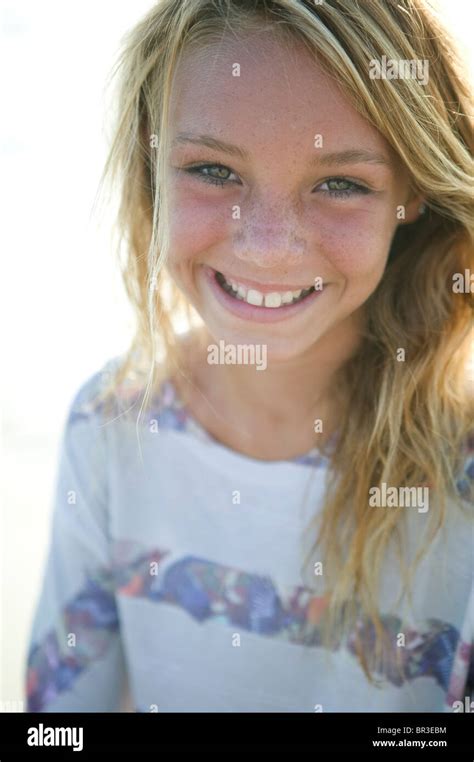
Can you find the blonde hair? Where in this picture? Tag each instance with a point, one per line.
(404, 423)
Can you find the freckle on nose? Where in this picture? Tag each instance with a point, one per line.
(268, 247)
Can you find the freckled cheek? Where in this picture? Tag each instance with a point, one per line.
(355, 249)
(195, 228)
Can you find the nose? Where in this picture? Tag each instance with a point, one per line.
(269, 235)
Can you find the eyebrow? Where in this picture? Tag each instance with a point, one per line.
(348, 156)
(354, 156)
(210, 142)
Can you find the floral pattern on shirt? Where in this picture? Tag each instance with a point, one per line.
(236, 598)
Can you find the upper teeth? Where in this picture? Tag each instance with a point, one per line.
(273, 299)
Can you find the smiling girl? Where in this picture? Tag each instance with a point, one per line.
(226, 539)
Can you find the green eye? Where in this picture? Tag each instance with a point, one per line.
(220, 173)
(217, 172)
(340, 187)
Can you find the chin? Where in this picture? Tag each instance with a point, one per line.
(277, 349)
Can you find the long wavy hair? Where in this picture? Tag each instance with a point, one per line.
(404, 423)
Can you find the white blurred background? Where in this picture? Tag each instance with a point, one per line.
(64, 310)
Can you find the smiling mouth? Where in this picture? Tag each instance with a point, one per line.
(256, 298)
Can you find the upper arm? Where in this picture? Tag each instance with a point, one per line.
(75, 660)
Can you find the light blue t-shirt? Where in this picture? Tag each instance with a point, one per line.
(173, 582)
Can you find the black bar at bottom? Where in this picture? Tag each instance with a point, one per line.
(55, 736)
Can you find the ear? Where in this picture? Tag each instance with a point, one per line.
(415, 207)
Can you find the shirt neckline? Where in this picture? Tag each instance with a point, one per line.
(170, 400)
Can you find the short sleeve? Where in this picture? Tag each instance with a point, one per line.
(75, 659)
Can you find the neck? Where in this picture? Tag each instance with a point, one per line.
(274, 411)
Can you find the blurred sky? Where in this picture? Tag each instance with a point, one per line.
(64, 309)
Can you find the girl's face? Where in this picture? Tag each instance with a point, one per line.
(278, 185)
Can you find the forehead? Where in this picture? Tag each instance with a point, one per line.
(282, 93)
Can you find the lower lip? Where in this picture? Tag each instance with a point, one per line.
(249, 311)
